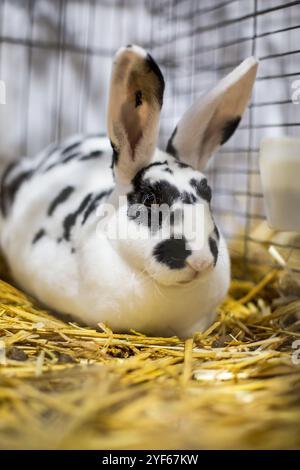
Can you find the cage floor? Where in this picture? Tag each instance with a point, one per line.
(235, 386)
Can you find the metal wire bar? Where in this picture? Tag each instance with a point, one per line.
(231, 21)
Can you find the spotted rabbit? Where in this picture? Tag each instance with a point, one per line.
(58, 239)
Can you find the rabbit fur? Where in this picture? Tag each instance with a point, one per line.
(60, 210)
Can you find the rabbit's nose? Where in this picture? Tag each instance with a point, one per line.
(198, 263)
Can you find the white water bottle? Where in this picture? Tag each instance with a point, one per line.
(280, 177)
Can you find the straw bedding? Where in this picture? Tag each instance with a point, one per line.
(64, 386)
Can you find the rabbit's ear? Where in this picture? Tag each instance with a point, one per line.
(135, 101)
(214, 117)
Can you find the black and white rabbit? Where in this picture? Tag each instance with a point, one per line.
(58, 243)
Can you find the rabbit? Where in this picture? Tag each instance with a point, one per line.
(58, 241)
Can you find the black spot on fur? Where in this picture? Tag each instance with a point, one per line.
(70, 220)
(92, 155)
(217, 233)
(202, 188)
(129, 46)
(15, 185)
(168, 170)
(214, 249)
(70, 157)
(153, 67)
(136, 181)
(115, 156)
(229, 129)
(66, 159)
(188, 198)
(70, 147)
(182, 164)
(138, 98)
(3, 195)
(94, 204)
(73, 156)
(10, 189)
(170, 146)
(159, 192)
(38, 235)
(172, 252)
(53, 165)
(59, 162)
(62, 196)
(151, 196)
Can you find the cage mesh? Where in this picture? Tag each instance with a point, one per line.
(55, 59)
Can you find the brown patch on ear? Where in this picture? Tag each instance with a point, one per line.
(141, 97)
(137, 81)
(144, 80)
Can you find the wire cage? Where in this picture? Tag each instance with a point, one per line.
(235, 385)
(55, 59)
